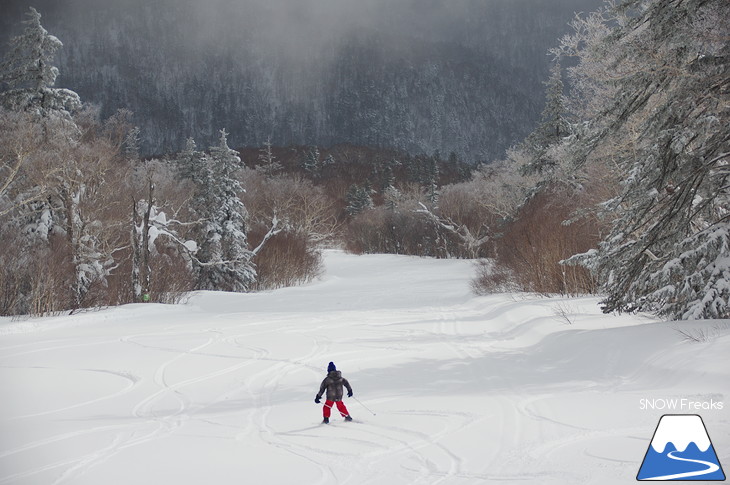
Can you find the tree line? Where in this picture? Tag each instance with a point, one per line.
(620, 190)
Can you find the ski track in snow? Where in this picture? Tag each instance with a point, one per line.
(461, 390)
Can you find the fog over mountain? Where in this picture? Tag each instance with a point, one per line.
(418, 75)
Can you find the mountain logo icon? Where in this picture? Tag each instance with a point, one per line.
(681, 450)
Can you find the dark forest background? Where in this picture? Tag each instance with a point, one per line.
(421, 76)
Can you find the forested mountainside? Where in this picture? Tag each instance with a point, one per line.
(462, 76)
(622, 187)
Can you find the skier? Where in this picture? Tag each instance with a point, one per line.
(333, 384)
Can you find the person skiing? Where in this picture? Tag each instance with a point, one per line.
(333, 385)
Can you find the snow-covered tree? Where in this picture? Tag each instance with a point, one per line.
(131, 144)
(21, 152)
(192, 166)
(228, 226)
(471, 242)
(391, 197)
(387, 177)
(358, 199)
(430, 178)
(150, 223)
(654, 77)
(74, 160)
(223, 258)
(303, 207)
(141, 271)
(267, 161)
(313, 163)
(553, 126)
(82, 195)
(29, 75)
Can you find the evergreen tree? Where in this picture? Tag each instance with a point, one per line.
(267, 161)
(658, 74)
(553, 126)
(223, 258)
(358, 199)
(384, 174)
(231, 267)
(191, 166)
(131, 144)
(29, 74)
(392, 197)
(430, 178)
(311, 162)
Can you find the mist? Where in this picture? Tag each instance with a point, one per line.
(469, 72)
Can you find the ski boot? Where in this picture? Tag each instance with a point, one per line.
(326, 421)
(348, 418)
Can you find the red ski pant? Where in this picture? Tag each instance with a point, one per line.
(340, 407)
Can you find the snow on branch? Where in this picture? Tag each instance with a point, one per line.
(471, 242)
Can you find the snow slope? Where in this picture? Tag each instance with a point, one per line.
(465, 389)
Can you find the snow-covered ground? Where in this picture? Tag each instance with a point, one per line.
(505, 388)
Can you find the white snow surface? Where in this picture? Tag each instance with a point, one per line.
(465, 389)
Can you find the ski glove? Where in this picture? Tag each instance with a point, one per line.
(349, 393)
(316, 399)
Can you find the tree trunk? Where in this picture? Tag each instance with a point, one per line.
(146, 270)
(136, 255)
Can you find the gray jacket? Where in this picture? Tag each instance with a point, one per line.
(333, 384)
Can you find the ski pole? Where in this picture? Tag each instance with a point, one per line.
(361, 404)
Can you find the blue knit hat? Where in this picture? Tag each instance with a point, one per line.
(331, 367)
